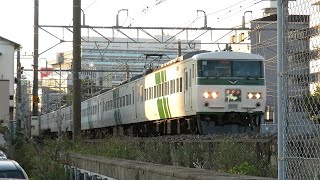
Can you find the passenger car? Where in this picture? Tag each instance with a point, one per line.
(2, 155)
(10, 169)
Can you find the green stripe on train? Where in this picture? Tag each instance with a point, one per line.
(211, 81)
(157, 78)
(167, 107)
(160, 109)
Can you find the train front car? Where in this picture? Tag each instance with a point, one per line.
(231, 92)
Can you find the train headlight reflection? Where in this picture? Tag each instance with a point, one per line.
(206, 95)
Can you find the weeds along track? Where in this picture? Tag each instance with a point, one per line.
(197, 138)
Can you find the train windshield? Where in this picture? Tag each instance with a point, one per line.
(230, 68)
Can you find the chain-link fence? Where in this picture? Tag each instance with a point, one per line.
(299, 89)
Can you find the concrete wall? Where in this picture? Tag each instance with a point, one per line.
(135, 170)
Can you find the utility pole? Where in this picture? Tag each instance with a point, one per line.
(179, 48)
(35, 98)
(76, 65)
(18, 94)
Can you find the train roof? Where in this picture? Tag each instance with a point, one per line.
(228, 55)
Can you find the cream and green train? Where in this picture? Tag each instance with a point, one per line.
(205, 93)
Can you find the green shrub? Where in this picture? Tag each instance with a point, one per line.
(244, 169)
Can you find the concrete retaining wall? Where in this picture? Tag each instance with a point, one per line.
(135, 170)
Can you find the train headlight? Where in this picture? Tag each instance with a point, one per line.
(206, 95)
(254, 95)
(215, 95)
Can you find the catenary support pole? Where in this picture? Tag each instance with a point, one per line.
(18, 93)
(76, 65)
(280, 92)
(35, 98)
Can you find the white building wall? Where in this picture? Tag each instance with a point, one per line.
(7, 63)
(7, 66)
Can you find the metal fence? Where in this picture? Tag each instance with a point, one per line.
(298, 32)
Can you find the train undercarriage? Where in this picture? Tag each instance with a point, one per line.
(202, 123)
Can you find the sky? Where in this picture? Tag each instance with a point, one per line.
(18, 18)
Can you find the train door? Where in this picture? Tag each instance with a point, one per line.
(187, 91)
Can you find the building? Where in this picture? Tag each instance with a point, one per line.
(7, 51)
(4, 101)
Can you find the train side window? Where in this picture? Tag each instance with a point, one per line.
(154, 92)
(117, 103)
(180, 85)
(186, 81)
(167, 88)
(158, 90)
(123, 101)
(190, 78)
(173, 86)
(177, 84)
(162, 89)
(145, 95)
(141, 93)
(193, 72)
(112, 105)
(133, 96)
(150, 92)
(127, 100)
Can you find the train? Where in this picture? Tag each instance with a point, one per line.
(201, 92)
